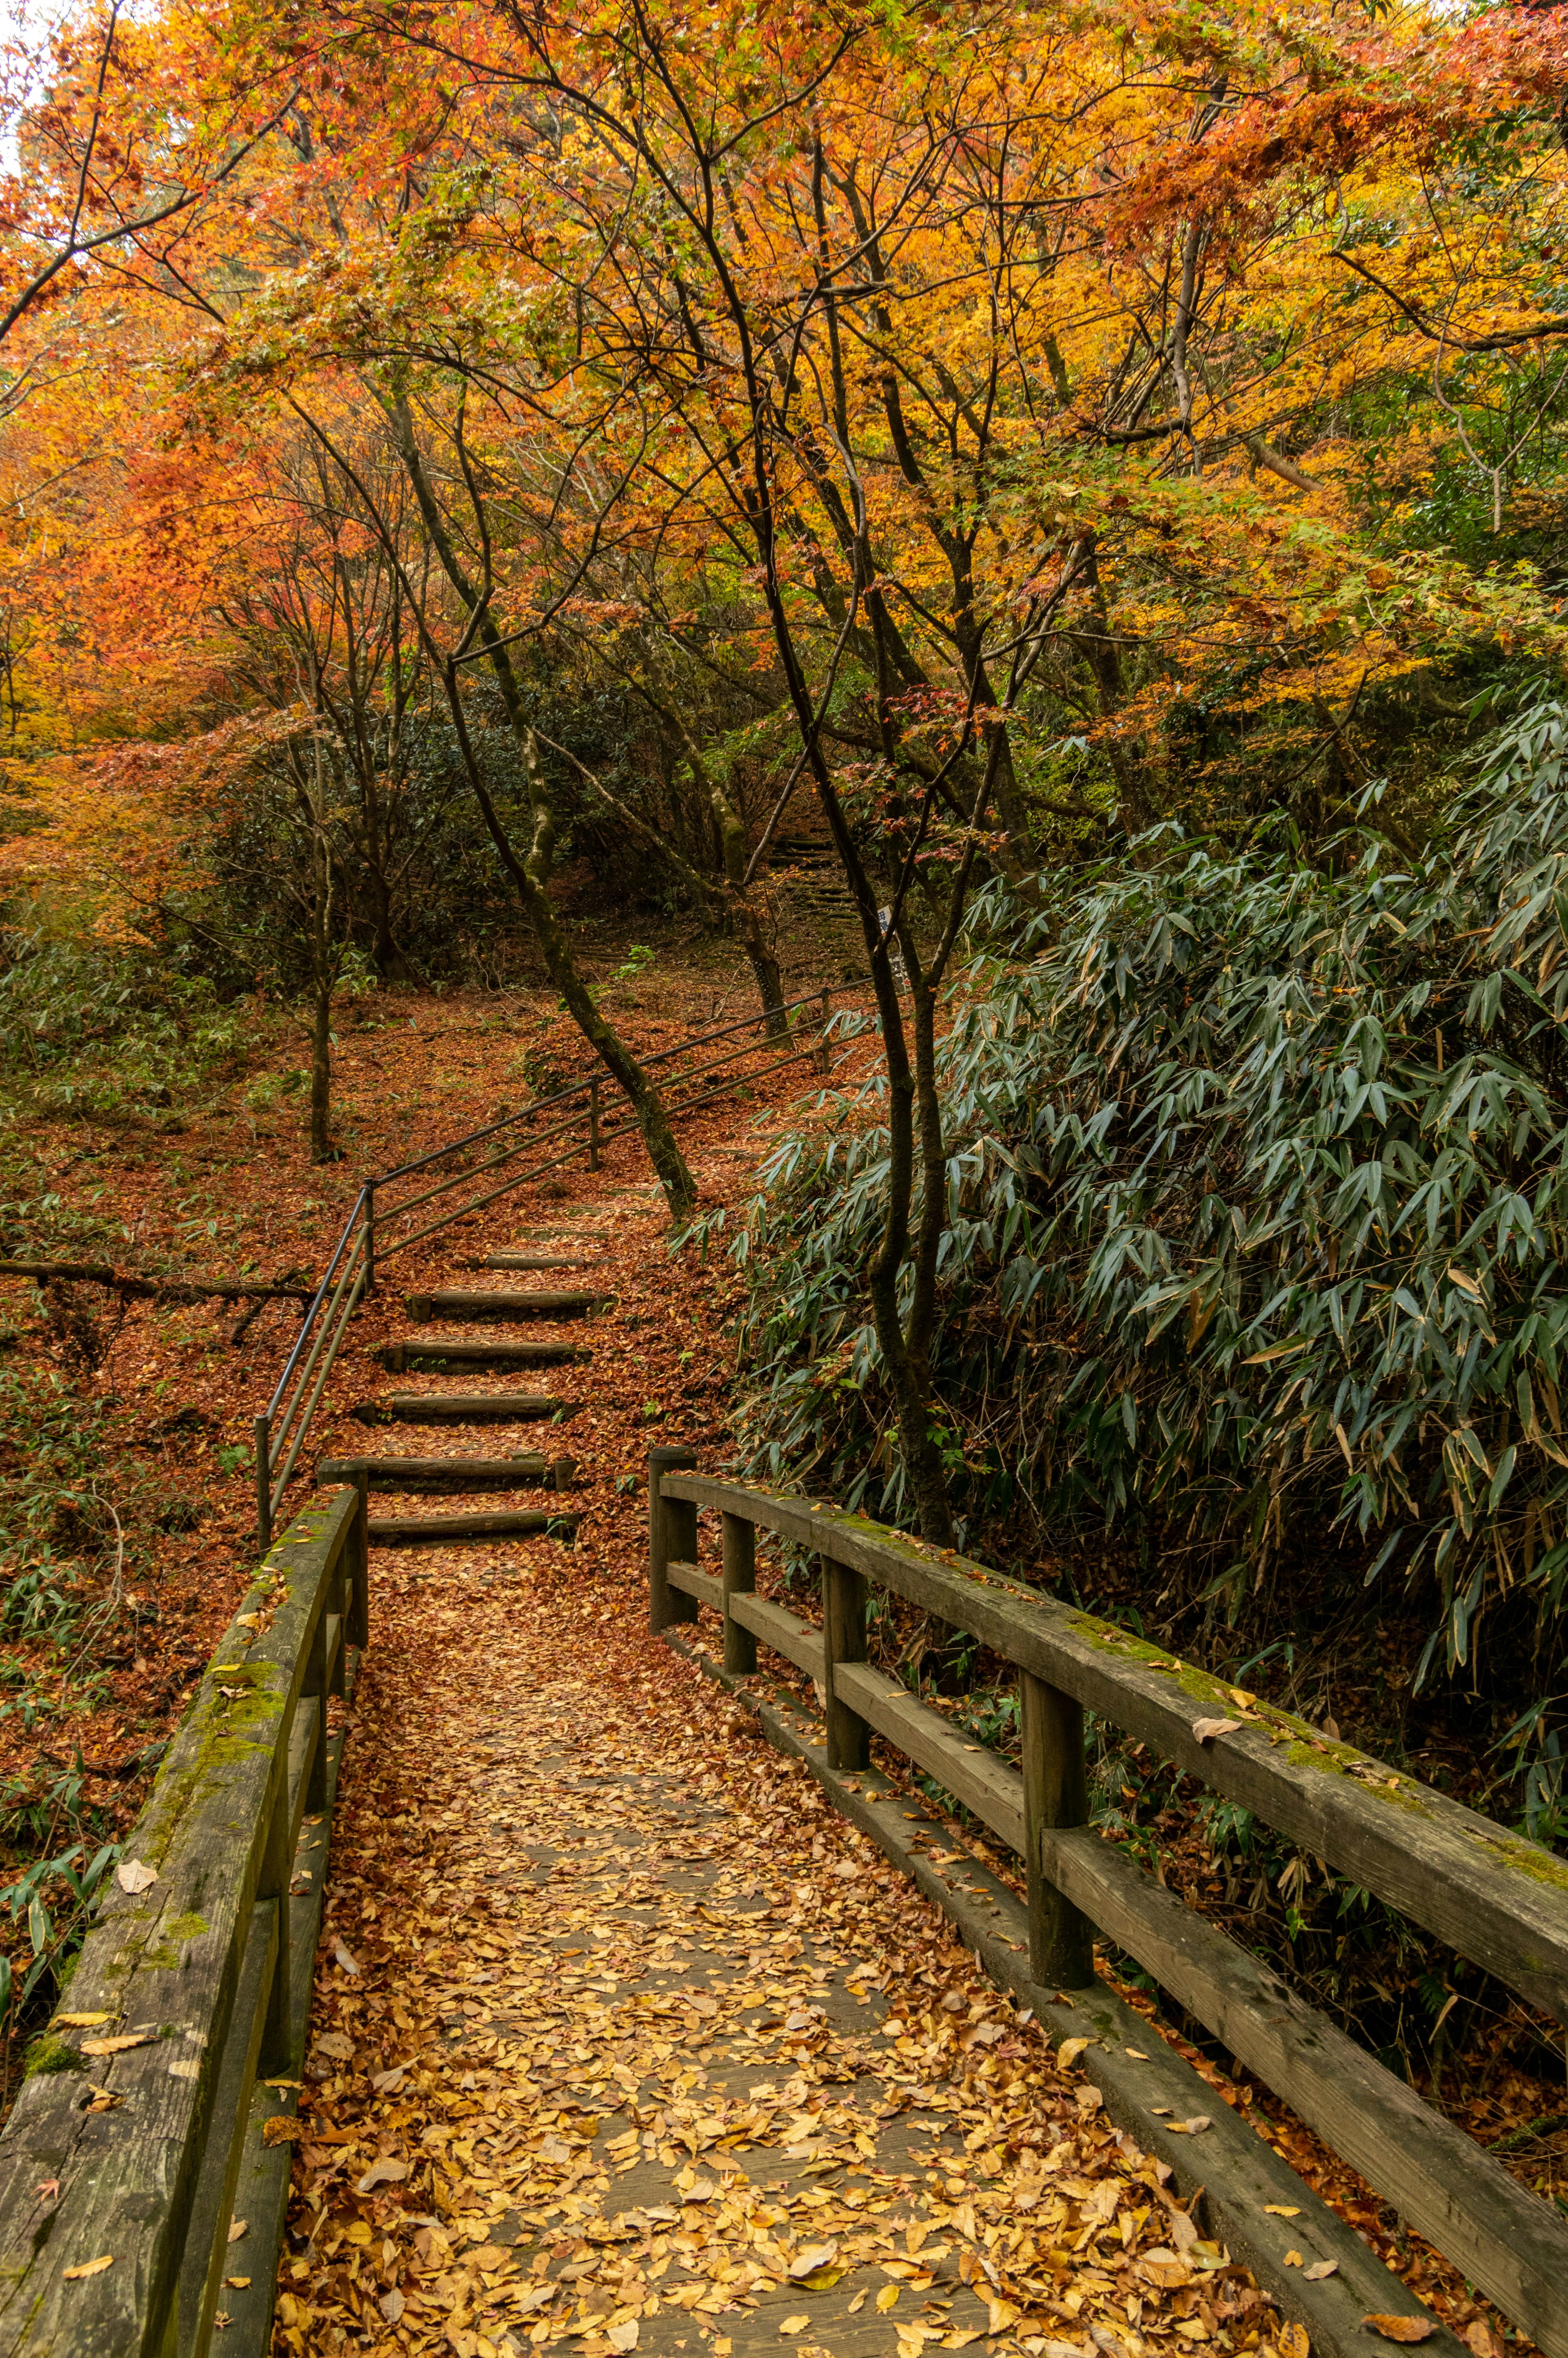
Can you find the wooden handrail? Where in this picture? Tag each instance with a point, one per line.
(1489, 1893)
(204, 1972)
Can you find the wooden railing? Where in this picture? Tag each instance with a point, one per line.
(568, 1126)
(1496, 1899)
(140, 2132)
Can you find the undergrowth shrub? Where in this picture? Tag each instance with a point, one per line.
(108, 1029)
(1257, 1205)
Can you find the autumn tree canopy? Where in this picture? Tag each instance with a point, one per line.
(1009, 430)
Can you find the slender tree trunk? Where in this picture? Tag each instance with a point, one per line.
(321, 1147)
(531, 876)
(322, 975)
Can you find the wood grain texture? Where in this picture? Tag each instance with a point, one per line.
(427, 1351)
(435, 1530)
(973, 1776)
(439, 1473)
(465, 1408)
(1495, 1896)
(1056, 1793)
(169, 1960)
(785, 1632)
(486, 1307)
(843, 1651)
(1504, 2238)
(706, 1586)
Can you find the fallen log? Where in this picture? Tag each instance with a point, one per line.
(151, 1289)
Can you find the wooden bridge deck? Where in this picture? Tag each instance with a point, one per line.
(606, 2050)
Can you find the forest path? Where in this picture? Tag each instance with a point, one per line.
(624, 2039)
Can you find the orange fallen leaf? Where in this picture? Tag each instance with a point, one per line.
(1403, 2329)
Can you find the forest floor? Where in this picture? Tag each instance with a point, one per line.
(491, 1846)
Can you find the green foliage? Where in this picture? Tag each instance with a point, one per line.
(1257, 1203)
(105, 1030)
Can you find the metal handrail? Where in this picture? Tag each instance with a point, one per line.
(280, 1430)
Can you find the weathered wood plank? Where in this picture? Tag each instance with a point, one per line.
(706, 1586)
(465, 1408)
(1504, 2238)
(440, 1472)
(785, 1632)
(427, 1350)
(486, 1307)
(435, 1530)
(1495, 1896)
(973, 1776)
(167, 1961)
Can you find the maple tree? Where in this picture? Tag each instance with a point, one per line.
(1022, 429)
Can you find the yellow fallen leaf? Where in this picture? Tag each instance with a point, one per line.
(1319, 2269)
(1293, 2343)
(1070, 2051)
(886, 2297)
(89, 2269)
(1281, 2210)
(117, 2046)
(1293, 2259)
(859, 2302)
(238, 2283)
(793, 2324)
(78, 2021)
(1205, 1730)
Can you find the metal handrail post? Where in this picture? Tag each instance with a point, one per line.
(593, 1124)
(262, 1430)
(370, 1235)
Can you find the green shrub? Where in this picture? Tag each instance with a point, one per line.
(1256, 1211)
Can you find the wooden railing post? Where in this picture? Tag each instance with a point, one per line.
(593, 1125)
(822, 1043)
(1056, 1793)
(843, 1640)
(356, 1623)
(278, 1869)
(740, 1545)
(672, 1532)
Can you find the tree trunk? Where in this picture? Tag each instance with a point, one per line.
(531, 876)
(321, 1147)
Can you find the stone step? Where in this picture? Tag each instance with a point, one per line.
(440, 1531)
(496, 1309)
(427, 1350)
(451, 1473)
(465, 1408)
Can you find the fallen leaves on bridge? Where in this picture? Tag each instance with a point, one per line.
(625, 2041)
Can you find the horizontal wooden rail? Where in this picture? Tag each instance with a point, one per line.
(200, 1969)
(1487, 1892)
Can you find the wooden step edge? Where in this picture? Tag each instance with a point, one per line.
(451, 1473)
(466, 1408)
(439, 1530)
(503, 1309)
(398, 1357)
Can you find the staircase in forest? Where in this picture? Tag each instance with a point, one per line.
(433, 1348)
